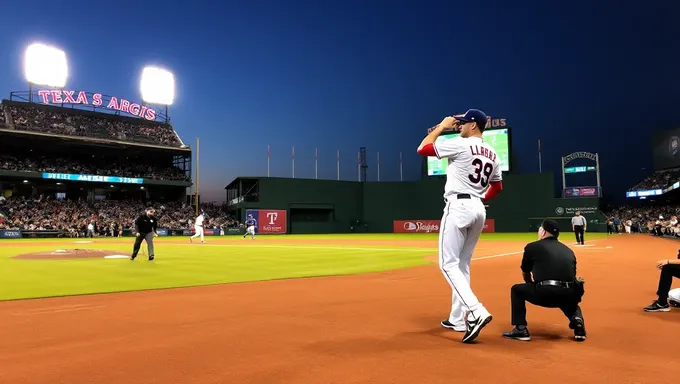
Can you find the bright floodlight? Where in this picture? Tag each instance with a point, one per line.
(45, 65)
(157, 86)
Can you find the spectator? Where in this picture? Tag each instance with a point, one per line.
(73, 123)
(108, 217)
(94, 166)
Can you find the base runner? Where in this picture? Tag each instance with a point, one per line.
(473, 176)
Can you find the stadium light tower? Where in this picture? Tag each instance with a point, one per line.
(45, 65)
(158, 87)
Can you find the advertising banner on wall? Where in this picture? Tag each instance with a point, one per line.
(431, 226)
(269, 221)
(10, 234)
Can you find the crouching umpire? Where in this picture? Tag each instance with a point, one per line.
(554, 283)
(146, 229)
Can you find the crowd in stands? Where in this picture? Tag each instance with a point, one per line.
(94, 166)
(108, 217)
(658, 180)
(655, 220)
(73, 123)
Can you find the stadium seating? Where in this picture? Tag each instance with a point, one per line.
(658, 180)
(33, 118)
(101, 167)
(26, 213)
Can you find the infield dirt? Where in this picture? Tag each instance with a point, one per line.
(374, 328)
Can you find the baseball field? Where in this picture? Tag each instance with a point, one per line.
(317, 309)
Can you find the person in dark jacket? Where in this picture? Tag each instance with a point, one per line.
(146, 227)
(669, 269)
(549, 271)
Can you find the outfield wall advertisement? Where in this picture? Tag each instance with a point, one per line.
(431, 226)
(269, 221)
(10, 234)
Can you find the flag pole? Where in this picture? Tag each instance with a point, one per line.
(401, 168)
(540, 165)
(268, 157)
(338, 164)
(197, 172)
(316, 163)
(359, 166)
(378, 166)
(293, 162)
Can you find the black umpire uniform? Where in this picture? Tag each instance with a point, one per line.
(549, 271)
(146, 227)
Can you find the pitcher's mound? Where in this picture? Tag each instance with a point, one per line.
(72, 254)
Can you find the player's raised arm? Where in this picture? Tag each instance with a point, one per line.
(495, 183)
(427, 146)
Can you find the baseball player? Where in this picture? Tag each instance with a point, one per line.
(674, 297)
(473, 176)
(250, 230)
(198, 227)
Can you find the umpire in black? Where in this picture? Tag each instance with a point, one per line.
(146, 226)
(549, 271)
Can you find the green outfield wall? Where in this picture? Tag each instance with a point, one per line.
(330, 206)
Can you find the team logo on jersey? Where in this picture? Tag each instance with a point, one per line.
(559, 211)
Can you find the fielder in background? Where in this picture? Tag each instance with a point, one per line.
(473, 176)
(669, 269)
(146, 227)
(198, 227)
(578, 225)
(251, 223)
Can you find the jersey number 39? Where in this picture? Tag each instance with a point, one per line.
(481, 173)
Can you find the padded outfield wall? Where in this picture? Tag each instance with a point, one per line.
(330, 206)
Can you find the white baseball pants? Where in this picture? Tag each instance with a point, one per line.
(462, 224)
(674, 294)
(199, 232)
(251, 231)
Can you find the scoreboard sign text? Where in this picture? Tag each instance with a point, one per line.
(97, 100)
(425, 226)
(269, 221)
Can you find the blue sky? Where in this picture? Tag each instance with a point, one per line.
(338, 75)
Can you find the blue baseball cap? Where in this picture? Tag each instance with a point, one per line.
(474, 115)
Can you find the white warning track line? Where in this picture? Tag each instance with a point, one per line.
(572, 245)
(66, 308)
(320, 247)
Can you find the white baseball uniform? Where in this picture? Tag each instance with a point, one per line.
(473, 165)
(674, 294)
(198, 227)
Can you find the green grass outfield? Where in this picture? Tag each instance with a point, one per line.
(180, 264)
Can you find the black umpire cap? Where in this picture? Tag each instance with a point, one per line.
(551, 226)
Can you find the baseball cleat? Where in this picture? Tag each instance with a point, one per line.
(518, 334)
(657, 307)
(151, 258)
(579, 329)
(473, 327)
(674, 303)
(132, 257)
(190, 240)
(448, 325)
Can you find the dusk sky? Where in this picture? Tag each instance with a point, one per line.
(596, 76)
